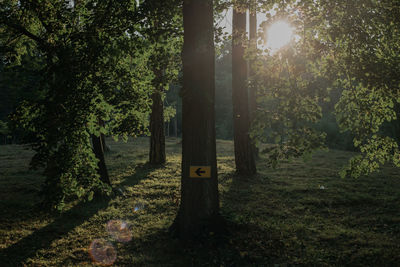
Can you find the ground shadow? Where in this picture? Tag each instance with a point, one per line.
(27, 247)
(249, 243)
(239, 193)
(142, 170)
(161, 248)
(42, 238)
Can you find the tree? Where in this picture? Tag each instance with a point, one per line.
(86, 51)
(199, 196)
(289, 93)
(157, 132)
(244, 156)
(252, 72)
(360, 42)
(350, 46)
(370, 77)
(19, 81)
(98, 143)
(165, 69)
(162, 26)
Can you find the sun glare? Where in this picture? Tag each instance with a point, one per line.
(278, 35)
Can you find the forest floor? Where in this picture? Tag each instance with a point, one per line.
(301, 213)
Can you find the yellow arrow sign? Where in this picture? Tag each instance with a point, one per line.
(200, 172)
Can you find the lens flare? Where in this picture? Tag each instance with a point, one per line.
(119, 230)
(102, 252)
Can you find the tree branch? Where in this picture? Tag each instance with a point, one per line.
(25, 32)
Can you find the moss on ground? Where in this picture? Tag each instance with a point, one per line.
(280, 217)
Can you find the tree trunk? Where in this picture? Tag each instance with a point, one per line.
(199, 207)
(176, 125)
(253, 86)
(103, 139)
(157, 131)
(244, 157)
(99, 153)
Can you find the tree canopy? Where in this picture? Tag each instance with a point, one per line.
(92, 70)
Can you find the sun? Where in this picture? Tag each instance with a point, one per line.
(279, 34)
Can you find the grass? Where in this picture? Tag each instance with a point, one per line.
(279, 217)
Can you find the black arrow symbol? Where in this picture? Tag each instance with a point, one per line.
(199, 172)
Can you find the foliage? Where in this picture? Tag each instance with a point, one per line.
(169, 113)
(161, 26)
(73, 66)
(289, 98)
(364, 112)
(172, 100)
(18, 81)
(87, 70)
(4, 130)
(351, 47)
(361, 42)
(335, 138)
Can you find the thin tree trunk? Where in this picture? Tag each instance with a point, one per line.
(103, 139)
(176, 125)
(253, 86)
(199, 207)
(244, 156)
(99, 153)
(157, 131)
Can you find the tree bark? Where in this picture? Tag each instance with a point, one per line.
(199, 207)
(176, 125)
(244, 156)
(99, 153)
(252, 73)
(157, 131)
(103, 139)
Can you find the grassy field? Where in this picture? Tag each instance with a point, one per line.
(300, 214)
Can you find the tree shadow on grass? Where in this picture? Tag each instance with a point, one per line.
(238, 197)
(142, 170)
(42, 238)
(214, 249)
(255, 244)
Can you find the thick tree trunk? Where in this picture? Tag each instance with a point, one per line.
(244, 156)
(199, 207)
(253, 86)
(157, 131)
(99, 153)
